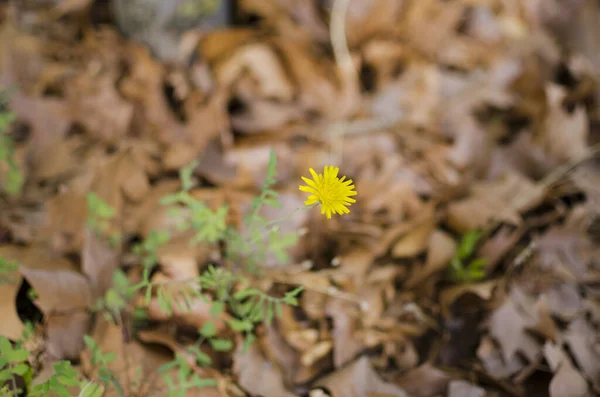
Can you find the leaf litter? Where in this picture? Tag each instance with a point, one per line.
(451, 118)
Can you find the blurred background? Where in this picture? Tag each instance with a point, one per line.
(468, 267)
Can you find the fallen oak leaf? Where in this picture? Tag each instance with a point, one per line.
(359, 379)
(567, 381)
(441, 249)
(423, 381)
(257, 375)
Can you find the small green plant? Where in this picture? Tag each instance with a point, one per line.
(13, 363)
(100, 218)
(101, 361)
(474, 270)
(228, 288)
(260, 237)
(7, 269)
(10, 174)
(185, 378)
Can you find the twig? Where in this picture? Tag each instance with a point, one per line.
(331, 292)
(125, 353)
(343, 59)
(14, 383)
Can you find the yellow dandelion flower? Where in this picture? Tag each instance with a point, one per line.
(331, 192)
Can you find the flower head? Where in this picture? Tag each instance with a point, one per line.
(332, 192)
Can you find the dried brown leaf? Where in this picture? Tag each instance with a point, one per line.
(567, 381)
(461, 388)
(441, 249)
(581, 338)
(508, 325)
(258, 375)
(416, 240)
(503, 200)
(96, 104)
(98, 262)
(359, 379)
(423, 381)
(11, 325)
(346, 345)
(492, 360)
(64, 333)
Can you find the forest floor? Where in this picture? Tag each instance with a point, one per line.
(469, 264)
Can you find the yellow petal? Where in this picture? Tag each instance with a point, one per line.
(309, 182)
(307, 189)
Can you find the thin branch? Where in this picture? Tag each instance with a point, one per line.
(343, 59)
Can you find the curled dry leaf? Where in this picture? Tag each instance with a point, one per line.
(565, 135)
(508, 325)
(461, 388)
(565, 301)
(98, 261)
(64, 333)
(262, 62)
(581, 338)
(441, 248)
(206, 122)
(62, 294)
(502, 200)
(258, 375)
(423, 381)
(416, 240)
(567, 247)
(66, 214)
(567, 381)
(359, 379)
(316, 353)
(96, 104)
(493, 362)
(58, 290)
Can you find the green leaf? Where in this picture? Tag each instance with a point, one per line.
(185, 174)
(290, 297)
(248, 341)
(203, 382)
(217, 308)
(65, 373)
(468, 244)
(208, 330)
(240, 325)
(221, 345)
(20, 369)
(91, 389)
(269, 317)
(271, 169)
(272, 202)
(245, 293)
(456, 265)
(98, 207)
(18, 356)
